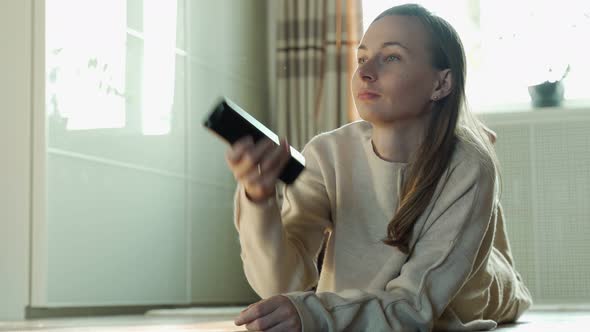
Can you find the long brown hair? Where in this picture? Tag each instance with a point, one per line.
(434, 155)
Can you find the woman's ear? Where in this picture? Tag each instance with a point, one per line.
(443, 84)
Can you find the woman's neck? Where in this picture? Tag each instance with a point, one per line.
(399, 141)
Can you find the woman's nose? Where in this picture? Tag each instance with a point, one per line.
(368, 77)
(367, 74)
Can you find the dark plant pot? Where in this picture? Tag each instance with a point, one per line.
(546, 94)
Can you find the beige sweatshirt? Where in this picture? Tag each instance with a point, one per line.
(459, 276)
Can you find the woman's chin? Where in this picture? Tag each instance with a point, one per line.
(370, 114)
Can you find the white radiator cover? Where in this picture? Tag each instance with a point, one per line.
(545, 157)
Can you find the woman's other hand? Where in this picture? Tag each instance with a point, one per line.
(274, 314)
(491, 134)
(257, 166)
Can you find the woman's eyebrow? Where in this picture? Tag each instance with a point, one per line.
(389, 43)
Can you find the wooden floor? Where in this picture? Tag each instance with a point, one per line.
(201, 320)
(555, 321)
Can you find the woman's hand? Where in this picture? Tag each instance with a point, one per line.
(491, 134)
(258, 166)
(274, 314)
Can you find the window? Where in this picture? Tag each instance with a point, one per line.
(85, 63)
(111, 64)
(513, 44)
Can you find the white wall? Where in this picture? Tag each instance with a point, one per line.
(15, 154)
(227, 50)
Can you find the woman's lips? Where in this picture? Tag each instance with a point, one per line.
(368, 95)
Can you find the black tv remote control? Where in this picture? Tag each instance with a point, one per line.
(231, 122)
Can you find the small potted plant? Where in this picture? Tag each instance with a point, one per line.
(548, 91)
(547, 46)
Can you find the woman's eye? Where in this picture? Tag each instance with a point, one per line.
(361, 60)
(391, 58)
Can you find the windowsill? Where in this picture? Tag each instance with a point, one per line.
(567, 105)
(569, 111)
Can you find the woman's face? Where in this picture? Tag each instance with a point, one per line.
(394, 80)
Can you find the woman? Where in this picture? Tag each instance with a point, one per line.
(407, 197)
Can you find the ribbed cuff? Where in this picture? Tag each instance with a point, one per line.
(309, 322)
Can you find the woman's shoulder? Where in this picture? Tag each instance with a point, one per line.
(472, 155)
(342, 137)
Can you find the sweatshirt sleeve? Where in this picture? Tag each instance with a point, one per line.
(440, 263)
(279, 248)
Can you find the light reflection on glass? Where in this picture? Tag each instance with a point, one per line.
(159, 22)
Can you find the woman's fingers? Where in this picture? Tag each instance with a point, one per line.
(279, 162)
(273, 314)
(492, 136)
(257, 166)
(276, 159)
(265, 322)
(235, 152)
(250, 159)
(285, 155)
(262, 182)
(256, 311)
